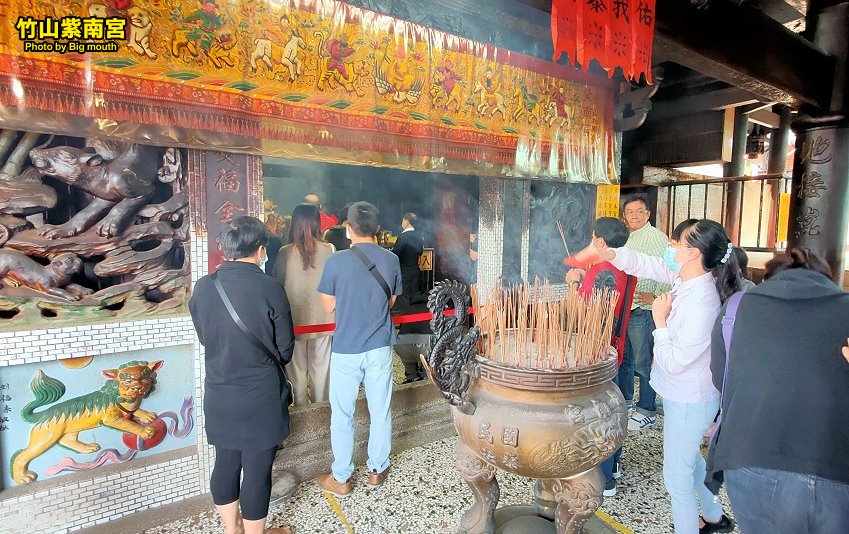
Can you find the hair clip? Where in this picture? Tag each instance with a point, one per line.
(728, 251)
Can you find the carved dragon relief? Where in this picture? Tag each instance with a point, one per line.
(450, 364)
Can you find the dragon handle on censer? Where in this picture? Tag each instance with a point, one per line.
(450, 365)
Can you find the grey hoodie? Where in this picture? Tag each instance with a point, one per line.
(787, 397)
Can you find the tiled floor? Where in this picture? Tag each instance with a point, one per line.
(424, 494)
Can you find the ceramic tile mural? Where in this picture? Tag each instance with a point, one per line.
(80, 414)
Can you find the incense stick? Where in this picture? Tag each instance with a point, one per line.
(563, 237)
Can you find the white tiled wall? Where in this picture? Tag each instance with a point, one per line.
(100, 499)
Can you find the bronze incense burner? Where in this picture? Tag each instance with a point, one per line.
(553, 425)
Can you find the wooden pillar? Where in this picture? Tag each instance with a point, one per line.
(819, 208)
(737, 167)
(777, 164)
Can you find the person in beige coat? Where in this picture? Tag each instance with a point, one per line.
(298, 269)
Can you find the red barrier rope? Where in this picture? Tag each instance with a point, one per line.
(398, 319)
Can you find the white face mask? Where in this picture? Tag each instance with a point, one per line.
(263, 261)
(347, 234)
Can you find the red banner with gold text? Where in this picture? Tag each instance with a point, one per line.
(616, 33)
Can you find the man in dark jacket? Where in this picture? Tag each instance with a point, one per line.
(243, 409)
(408, 247)
(782, 441)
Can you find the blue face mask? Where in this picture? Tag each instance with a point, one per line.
(669, 259)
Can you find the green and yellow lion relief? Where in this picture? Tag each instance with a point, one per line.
(115, 405)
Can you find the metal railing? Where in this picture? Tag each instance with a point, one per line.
(757, 221)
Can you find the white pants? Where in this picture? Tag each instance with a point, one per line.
(310, 365)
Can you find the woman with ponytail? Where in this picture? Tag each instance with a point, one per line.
(782, 444)
(702, 269)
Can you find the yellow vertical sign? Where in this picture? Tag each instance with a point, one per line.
(783, 216)
(607, 201)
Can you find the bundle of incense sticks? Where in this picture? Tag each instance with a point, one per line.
(528, 326)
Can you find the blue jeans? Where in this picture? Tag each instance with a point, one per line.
(766, 501)
(374, 370)
(684, 424)
(639, 345)
(608, 465)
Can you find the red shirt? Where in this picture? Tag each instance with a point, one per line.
(605, 275)
(327, 221)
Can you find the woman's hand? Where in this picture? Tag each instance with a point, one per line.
(660, 309)
(589, 255)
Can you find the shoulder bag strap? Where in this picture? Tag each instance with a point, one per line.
(727, 332)
(238, 320)
(372, 268)
(628, 282)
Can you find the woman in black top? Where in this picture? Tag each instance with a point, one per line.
(244, 414)
(782, 442)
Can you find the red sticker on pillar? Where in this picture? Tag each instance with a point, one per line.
(226, 197)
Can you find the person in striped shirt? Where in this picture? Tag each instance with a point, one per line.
(649, 240)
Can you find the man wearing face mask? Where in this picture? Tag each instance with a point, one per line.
(648, 240)
(246, 405)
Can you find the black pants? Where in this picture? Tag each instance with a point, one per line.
(255, 491)
(409, 355)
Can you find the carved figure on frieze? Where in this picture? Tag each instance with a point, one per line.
(262, 54)
(116, 405)
(490, 102)
(558, 110)
(205, 30)
(140, 28)
(18, 269)
(292, 49)
(527, 103)
(400, 73)
(120, 187)
(335, 64)
(447, 87)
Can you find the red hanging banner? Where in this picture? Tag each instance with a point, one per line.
(596, 29)
(621, 49)
(643, 25)
(566, 28)
(616, 33)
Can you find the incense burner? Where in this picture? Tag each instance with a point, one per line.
(556, 426)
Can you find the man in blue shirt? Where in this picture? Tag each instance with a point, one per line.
(362, 347)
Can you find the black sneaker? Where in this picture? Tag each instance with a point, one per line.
(724, 525)
(610, 488)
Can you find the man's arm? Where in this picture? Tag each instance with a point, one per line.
(328, 302)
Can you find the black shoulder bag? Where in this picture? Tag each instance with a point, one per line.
(372, 268)
(286, 391)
